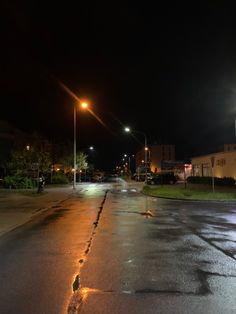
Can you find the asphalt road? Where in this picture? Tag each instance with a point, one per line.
(179, 257)
(39, 261)
(121, 252)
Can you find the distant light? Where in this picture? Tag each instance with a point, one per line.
(28, 147)
(146, 148)
(58, 169)
(91, 147)
(142, 161)
(125, 155)
(127, 129)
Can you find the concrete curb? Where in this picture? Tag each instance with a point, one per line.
(191, 200)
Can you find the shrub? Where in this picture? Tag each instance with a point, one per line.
(18, 182)
(226, 181)
(59, 178)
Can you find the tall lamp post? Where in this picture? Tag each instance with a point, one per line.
(128, 130)
(235, 127)
(83, 106)
(127, 156)
(129, 161)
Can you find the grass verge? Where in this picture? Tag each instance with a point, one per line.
(190, 193)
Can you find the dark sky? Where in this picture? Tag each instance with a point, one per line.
(166, 70)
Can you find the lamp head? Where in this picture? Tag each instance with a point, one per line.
(84, 105)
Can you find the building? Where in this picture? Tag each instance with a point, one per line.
(229, 147)
(222, 163)
(156, 155)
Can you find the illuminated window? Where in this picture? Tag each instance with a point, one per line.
(206, 170)
(196, 170)
(221, 162)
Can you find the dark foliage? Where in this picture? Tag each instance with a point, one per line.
(226, 181)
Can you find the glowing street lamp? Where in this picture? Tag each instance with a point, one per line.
(128, 156)
(84, 105)
(128, 130)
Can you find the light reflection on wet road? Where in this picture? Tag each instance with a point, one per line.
(39, 261)
(180, 258)
(121, 252)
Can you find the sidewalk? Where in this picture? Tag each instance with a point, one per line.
(17, 208)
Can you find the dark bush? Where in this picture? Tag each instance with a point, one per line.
(59, 178)
(17, 182)
(226, 181)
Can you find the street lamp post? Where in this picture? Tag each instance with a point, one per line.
(127, 129)
(235, 127)
(83, 106)
(128, 156)
(74, 181)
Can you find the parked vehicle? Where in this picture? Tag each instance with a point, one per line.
(141, 176)
(111, 178)
(97, 178)
(163, 178)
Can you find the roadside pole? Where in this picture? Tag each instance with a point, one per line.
(185, 183)
(212, 172)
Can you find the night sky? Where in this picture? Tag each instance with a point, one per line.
(168, 71)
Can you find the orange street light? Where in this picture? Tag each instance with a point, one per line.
(84, 105)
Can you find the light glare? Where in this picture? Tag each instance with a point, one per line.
(84, 105)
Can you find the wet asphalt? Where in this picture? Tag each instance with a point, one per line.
(39, 260)
(161, 256)
(118, 251)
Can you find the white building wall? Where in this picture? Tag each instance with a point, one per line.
(224, 164)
